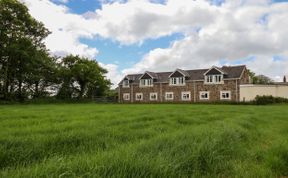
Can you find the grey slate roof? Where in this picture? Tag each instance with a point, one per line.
(152, 74)
(183, 72)
(197, 74)
(233, 71)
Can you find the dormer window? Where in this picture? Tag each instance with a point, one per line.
(177, 81)
(178, 77)
(213, 79)
(146, 82)
(218, 78)
(209, 79)
(125, 83)
(214, 76)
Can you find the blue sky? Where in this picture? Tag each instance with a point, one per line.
(127, 55)
(160, 35)
(81, 6)
(111, 51)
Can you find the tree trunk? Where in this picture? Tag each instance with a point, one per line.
(20, 97)
(36, 94)
(6, 81)
(20, 78)
(82, 90)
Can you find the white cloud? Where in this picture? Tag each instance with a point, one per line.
(275, 69)
(233, 34)
(137, 20)
(113, 73)
(66, 28)
(61, 1)
(111, 1)
(235, 30)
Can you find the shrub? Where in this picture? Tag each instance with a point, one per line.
(264, 100)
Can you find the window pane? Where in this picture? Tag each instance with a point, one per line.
(204, 95)
(225, 95)
(169, 95)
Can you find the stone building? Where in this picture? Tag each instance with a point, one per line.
(200, 85)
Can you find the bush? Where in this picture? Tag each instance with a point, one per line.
(54, 100)
(264, 100)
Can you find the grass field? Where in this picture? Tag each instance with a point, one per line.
(91, 140)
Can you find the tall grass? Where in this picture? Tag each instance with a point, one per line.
(93, 140)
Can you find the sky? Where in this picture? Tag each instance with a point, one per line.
(133, 36)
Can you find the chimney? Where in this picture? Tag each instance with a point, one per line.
(284, 79)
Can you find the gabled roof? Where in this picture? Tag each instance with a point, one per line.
(131, 77)
(231, 72)
(215, 68)
(126, 78)
(183, 72)
(151, 74)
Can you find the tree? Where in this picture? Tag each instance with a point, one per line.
(21, 39)
(259, 79)
(82, 77)
(43, 77)
(284, 79)
(27, 69)
(262, 79)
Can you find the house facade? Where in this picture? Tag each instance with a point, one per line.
(200, 85)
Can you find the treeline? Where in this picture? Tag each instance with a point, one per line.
(28, 71)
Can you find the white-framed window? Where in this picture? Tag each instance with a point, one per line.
(153, 96)
(126, 96)
(214, 78)
(209, 78)
(146, 82)
(169, 96)
(177, 81)
(218, 78)
(125, 83)
(186, 95)
(204, 95)
(225, 95)
(139, 96)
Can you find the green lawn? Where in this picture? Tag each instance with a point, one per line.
(93, 140)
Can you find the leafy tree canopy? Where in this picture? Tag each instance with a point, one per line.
(259, 79)
(27, 69)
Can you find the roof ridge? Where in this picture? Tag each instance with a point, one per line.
(240, 65)
(224, 67)
(196, 69)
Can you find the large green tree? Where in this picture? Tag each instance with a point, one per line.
(82, 77)
(43, 77)
(21, 39)
(27, 69)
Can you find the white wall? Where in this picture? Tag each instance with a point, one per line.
(249, 92)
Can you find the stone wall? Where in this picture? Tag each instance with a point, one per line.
(215, 89)
(194, 87)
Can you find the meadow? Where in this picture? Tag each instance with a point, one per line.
(165, 140)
